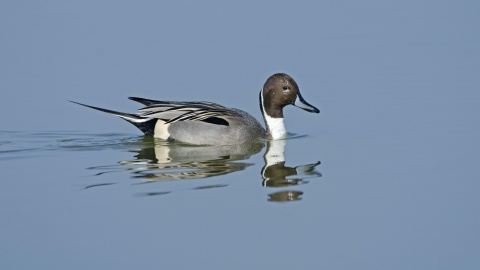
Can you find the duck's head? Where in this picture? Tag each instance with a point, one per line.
(279, 91)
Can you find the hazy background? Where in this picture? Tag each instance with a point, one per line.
(101, 52)
(397, 85)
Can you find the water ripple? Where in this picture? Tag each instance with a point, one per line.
(156, 160)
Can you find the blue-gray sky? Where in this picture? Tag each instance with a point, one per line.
(100, 52)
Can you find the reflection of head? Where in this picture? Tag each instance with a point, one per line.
(276, 174)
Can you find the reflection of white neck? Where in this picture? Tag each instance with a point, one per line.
(275, 152)
(274, 125)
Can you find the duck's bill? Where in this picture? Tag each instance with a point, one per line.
(302, 104)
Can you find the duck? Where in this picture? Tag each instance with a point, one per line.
(208, 123)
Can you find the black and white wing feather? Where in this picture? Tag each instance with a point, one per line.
(172, 111)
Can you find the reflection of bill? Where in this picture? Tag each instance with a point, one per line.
(276, 174)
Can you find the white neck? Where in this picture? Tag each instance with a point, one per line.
(274, 125)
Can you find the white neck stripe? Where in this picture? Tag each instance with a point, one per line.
(274, 125)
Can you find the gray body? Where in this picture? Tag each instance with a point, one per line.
(242, 128)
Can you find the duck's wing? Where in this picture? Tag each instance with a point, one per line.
(173, 111)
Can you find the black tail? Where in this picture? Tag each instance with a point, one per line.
(146, 125)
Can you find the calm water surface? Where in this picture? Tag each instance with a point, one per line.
(102, 200)
(155, 160)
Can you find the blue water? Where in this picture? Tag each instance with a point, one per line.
(385, 177)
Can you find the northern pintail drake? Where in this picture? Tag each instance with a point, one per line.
(212, 124)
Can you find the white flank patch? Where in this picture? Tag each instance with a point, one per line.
(275, 125)
(161, 130)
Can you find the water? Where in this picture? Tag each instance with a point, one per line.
(142, 188)
(155, 160)
(385, 177)
(123, 200)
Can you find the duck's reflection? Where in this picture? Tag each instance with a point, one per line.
(174, 161)
(160, 161)
(276, 174)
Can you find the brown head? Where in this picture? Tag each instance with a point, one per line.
(279, 91)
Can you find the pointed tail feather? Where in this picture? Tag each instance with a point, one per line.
(146, 125)
(127, 116)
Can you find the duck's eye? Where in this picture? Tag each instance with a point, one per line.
(285, 88)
